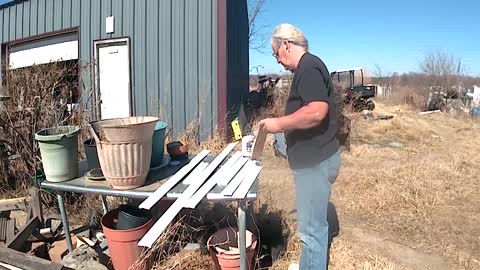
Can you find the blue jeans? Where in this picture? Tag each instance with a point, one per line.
(313, 188)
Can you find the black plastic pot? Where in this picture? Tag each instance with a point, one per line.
(91, 153)
(130, 217)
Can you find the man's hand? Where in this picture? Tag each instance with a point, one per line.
(271, 125)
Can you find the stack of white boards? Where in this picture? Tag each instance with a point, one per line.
(234, 179)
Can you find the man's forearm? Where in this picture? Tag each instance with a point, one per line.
(306, 117)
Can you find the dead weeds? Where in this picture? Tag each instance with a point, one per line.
(424, 194)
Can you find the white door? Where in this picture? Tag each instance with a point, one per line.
(114, 80)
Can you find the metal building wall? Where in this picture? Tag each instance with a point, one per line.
(237, 55)
(173, 49)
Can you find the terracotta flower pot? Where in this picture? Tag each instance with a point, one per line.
(123, 244)
(223, 248)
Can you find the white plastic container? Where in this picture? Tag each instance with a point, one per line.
(247, 145)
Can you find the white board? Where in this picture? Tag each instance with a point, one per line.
(207, 172)
(172, 181)
(195, 173)
(247, 182)
(152, 235)
(225, 175)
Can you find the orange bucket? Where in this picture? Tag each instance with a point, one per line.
(123, 244)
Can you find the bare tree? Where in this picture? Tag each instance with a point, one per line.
(383, 78)
(377, 71)
(257, 35)
(444, 72)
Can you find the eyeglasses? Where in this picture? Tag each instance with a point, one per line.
(275, 53)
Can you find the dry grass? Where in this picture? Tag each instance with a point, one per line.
(421, 198)
(413, 98)
(39, 96)
(345, 254)
(190, 137)
(424, 196)
(169, 243)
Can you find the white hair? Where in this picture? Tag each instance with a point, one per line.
(291, 33)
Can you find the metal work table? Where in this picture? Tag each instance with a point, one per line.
(156, 177)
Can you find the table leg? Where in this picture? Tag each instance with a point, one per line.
(242, 230)
(104, 203)
(66, 228)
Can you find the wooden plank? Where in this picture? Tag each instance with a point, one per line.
(194, 174)
(165, 188)
(10, 229)
(222, 173)
(13, 204)
(226, 174)
(232, 186)
(247, 182)
(208, 171)
(229, 173)
(19, 239)
(4, 266)
(25, 261)
(36, 203)
(226, 193)
(152, 235)
(259, 143)
(157, 229)
(231, 161)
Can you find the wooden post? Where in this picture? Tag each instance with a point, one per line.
(259, 143)
(24, 261)
(36, 204)
(13, 204)
(10, 229)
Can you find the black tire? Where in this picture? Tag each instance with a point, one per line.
(370, 105)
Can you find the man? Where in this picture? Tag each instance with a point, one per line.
(310, 126)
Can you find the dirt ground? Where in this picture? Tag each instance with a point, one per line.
(407, 197)
(408, 194)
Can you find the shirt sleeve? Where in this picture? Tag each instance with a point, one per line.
(312, 87)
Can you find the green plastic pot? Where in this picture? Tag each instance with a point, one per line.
(158, 144)
(59, 151)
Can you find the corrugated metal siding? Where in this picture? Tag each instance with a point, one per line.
(139, 57)
(191, 62)
(33, 17)
(26, 19)
(152, 64)
(165, 61)
(173, 49)
(206, 65)
(178, 63)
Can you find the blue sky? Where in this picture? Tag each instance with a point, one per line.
(392, 34)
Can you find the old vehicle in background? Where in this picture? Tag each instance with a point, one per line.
(355, 92)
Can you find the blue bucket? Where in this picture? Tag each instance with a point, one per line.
(158, 144)
(475, 112)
